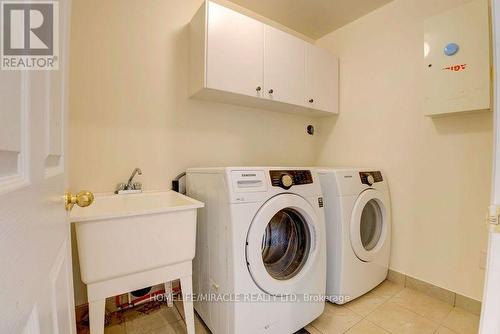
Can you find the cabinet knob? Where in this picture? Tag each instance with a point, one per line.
(258, 88)
(311, 100)
(271, 91)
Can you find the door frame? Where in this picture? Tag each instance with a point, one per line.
(490, 321)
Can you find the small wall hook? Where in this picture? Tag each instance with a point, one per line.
(310, 129)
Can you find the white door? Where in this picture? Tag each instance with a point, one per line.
(36, 289)
(284, 67)
(235, 51)
(490, 321)
(281, 244)
(322, 91)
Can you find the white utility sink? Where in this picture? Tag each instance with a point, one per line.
(128, 242)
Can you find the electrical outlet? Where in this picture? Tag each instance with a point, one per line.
(482, 259)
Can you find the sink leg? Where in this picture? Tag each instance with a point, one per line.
(187, 299)
(96, 316)
(168, 294)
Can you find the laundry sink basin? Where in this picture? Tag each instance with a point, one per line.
(119, 235)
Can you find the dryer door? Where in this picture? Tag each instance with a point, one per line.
(282, 244)
(369, 224)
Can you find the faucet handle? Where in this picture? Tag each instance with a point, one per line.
(137, 186)
(120, 186)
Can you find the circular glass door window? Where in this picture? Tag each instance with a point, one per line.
(285, 244)
(371, 225)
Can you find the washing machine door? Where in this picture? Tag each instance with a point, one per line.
(369, 226)
(282, 244)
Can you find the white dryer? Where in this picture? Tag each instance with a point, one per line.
(358, 227)
(260, 264)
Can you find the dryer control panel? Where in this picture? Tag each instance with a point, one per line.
(370, 178)
(288, 178)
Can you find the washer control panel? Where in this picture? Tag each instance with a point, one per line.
(370, 178)
(288, 178)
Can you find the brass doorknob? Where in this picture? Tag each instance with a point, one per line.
(82, 199)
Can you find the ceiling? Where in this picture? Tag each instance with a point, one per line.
(313, 18)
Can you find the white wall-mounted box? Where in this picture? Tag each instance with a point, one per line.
(458, 82)
(240, 60)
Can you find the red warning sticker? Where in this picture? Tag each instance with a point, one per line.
(456, 68)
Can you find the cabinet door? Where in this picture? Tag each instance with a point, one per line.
(321, 79)
(235, 51)
(284, 67)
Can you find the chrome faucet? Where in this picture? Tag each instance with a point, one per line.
(130, 186)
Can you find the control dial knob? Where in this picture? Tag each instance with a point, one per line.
(370, 179)
(286, 181)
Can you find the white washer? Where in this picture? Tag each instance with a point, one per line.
(358, 227)
(260, 244)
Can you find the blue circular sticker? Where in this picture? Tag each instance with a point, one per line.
(451, 49)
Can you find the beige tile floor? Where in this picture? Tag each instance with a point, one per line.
(165, 320)
(389, 308)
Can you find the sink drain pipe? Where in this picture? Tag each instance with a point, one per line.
(176, 180)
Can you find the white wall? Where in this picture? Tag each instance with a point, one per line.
(129, 105)
(439, 170)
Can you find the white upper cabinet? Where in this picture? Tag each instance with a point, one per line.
(237, 59)
(284, 70)
(234, 51)
(322, 72)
